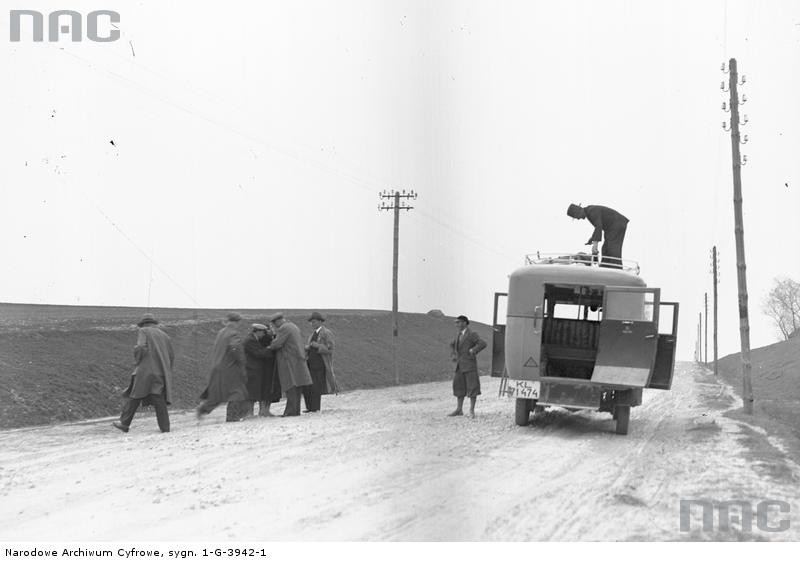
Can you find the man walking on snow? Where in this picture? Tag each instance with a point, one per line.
(463, 350)
(151, 381)
(227, 381)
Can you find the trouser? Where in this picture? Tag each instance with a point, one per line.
(292, 402)
(235, 410)
(312, 398)
(159, 403)
(612, 247)
(248, 408)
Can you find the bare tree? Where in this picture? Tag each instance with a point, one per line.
(782, 305)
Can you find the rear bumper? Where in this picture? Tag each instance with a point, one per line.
(576, 393)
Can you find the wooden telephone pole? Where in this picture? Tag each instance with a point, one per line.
(396, 206)
(741, 267)
(714, 265)
(705, 330)
(699, 337)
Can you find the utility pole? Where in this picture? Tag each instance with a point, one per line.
(714, 265)
(396, 206)
(699, 337)
(741, 266)
(705, 330)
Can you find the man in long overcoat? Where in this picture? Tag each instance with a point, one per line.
(463, 350)
(262, 384)
(320, 364)
(227, 381)
(151, 381)
(291, 360)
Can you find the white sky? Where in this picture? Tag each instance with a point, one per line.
(252, 140)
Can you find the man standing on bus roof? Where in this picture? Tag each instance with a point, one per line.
(609, 225)
(463, 350)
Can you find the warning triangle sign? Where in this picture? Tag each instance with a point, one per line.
(531, 362)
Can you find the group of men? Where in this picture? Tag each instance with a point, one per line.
(270, 361)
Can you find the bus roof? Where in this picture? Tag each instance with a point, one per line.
(575, 273)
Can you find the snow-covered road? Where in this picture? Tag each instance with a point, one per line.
(390, 465)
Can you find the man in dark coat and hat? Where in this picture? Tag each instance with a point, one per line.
(291, 360)
(262, 384)
(609, 225)
(227, 381)
(319, 351)
(151, 381)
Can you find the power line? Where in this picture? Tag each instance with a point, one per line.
(353, 179)
(364, 184)
(147, 257)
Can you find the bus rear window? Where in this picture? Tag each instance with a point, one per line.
(629, 306)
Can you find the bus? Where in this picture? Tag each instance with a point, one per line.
(571, 333)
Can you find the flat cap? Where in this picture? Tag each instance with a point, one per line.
(259, 327)
(316, 316)
(233, 317)
(276, 316)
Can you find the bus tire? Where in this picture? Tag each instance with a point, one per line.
(522, 411)
(623, 417)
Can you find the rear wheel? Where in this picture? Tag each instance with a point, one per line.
(623, 416)
(522, 410)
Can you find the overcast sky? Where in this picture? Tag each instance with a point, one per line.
(250, 141)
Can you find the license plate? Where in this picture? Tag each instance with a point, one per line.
(519, 389)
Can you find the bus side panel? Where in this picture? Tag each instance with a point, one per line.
(523, 347)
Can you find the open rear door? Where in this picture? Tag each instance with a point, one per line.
(626, 349)
(667, 342)
(499, 334)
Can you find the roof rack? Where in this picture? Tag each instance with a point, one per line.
(580, 258)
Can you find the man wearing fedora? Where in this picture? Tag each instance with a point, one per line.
(151, 381)
(609, 225)
(227, 380)
(463, 351)
(260, 368)
(320, 363)
(290, 358)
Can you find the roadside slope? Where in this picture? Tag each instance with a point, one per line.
(776, 388)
